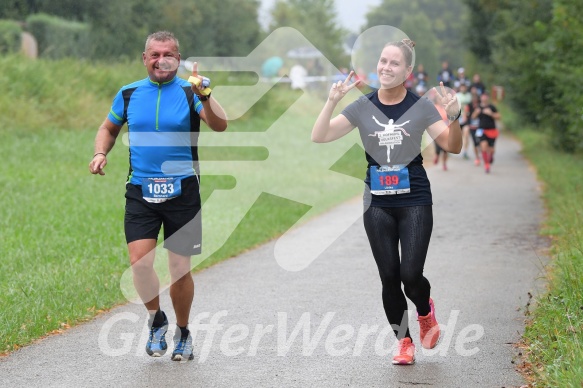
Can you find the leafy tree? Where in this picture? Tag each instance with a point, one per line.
(479, 29)
(438, 26)
(17, 9)
(513, 54)
(427, 47)
(226, 28)
(283, 14)
(316, 20)
(565, 110)
(119, 28)
(532, 47)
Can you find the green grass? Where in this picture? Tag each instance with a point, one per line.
(554, 334)
(63, 254)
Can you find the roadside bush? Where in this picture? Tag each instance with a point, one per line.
(10, 36)
(565, 115)
(59, 38)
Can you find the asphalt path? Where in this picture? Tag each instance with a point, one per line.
(258, 325)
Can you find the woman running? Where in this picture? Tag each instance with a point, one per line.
(398, 201)
(472, 124)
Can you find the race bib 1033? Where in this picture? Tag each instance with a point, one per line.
(160, 189)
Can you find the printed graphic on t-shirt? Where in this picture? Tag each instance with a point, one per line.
(390, 136)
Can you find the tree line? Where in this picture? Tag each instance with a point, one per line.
(533, 48)
(117, 29)
(530, 48)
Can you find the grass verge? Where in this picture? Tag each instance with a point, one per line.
(63, 250)
(553, 338)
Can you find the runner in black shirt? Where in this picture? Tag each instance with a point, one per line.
(398, 204)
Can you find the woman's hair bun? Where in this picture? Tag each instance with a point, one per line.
(409, 43)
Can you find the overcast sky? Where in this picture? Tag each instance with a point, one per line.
(351, 13)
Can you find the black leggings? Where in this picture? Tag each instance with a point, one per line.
(411, 226)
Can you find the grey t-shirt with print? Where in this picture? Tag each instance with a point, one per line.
(392, 135)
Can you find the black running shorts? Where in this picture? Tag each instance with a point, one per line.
(179, 216)
(475, 138)
(490, 140)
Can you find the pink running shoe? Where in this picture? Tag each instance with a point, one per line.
(477, 162)
(429, 328)
(405, 354)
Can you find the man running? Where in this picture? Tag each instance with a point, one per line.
(487, 131)
(163, 114)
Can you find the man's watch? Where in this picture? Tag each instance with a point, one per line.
(454, 118)
(204, 98)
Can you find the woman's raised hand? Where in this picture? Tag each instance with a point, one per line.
(448, 100)
(340, 88)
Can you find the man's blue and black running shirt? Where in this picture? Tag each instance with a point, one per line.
(163, 126)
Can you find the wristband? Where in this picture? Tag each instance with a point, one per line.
(452, 119)
(100, 153)
(204, 98)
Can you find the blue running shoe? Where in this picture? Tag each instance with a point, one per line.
(156, 346)
(183, 350)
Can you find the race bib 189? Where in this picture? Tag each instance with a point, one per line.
(160, 189)
(389, 180)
